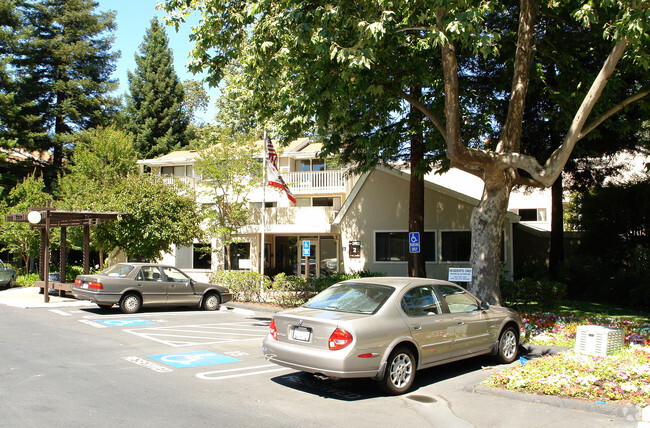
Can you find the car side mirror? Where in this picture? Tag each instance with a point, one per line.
(485, 306)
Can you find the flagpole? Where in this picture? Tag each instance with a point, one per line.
(263, 214)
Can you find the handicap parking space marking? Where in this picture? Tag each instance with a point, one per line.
(203, 334)
(240, 372)
(125, 322)
(193, 359)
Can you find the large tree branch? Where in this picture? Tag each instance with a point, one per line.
(511, 135)
(560, 156)
(428, 113)
(612, 111)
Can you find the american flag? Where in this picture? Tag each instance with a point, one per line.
(274, 178)
(273, 156)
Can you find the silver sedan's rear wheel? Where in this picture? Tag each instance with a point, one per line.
(211, 302)
(400, 372)
(508, 345)
(131, 303)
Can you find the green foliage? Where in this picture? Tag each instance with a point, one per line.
(290, 291)
(528, 294)
(613, 263)
(18, 237)
(285, 290)
(230, 170)
(26, 280)
(245, 286)
(65, 63)
(155, 216)
(156, 112)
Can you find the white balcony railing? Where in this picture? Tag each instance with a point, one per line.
(315, 181)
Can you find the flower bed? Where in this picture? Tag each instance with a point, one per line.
(560, 330)
(621, 377)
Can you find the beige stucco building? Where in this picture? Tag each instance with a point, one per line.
(351, 222)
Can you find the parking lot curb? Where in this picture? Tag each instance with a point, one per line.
(627, 412)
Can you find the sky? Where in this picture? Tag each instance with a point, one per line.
(132, 19)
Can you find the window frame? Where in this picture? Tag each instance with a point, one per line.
(431, 232)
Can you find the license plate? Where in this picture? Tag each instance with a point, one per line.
(301, 333)
(84, 285)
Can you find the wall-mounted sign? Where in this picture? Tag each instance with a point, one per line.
(355, 249)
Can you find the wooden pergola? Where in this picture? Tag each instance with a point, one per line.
(44, 219)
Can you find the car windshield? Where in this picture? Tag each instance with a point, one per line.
(119, 270)
(351, 297)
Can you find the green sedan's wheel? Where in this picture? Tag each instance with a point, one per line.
(507, 345)
(400, 372)
(211, 302)
(130, 303)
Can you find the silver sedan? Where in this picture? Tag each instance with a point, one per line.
(133, 285)
(387, 328)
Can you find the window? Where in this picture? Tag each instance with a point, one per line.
(149, 273)
(202, 256)
(175, 275)
(239, 251)
(456, 246)
(393, 246)
(323, 202)
(421, 301)
(532, 214)
(458, 300)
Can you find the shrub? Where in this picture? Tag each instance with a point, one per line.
(26, 280)
(526, 293)
(291, 291)
(245, 286)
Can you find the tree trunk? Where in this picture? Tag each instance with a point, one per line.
(416, 262)
(556, 253)
(487, 236)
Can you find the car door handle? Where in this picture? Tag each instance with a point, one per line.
(417, 327)
(461, 322)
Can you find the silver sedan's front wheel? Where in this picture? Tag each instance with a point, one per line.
(508, 345)
(211, 302)
(400, 372)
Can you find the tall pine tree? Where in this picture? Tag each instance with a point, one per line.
(155, 114)
(66, 64)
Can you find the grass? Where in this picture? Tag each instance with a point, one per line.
(623, 377)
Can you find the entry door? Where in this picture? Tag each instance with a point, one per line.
(314, 271)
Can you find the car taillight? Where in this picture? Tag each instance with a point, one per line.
(96, 285)
(77, 282)
(339, 339)
(272, 330)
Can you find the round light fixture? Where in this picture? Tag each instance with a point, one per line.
(34, 217)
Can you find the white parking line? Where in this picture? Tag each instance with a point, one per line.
(202, 334)
(209, 375)
(62, 313)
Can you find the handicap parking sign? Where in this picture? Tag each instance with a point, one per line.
(306, 248)
(414, 242)
(193, 359)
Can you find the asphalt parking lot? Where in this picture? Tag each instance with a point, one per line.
(197, 367)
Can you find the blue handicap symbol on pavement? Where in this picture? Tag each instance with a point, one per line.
(193, 359)
(126, 322)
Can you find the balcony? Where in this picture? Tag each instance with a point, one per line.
(295, 216)
(315, 182)
(178, 181)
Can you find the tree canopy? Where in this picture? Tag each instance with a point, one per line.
(155, 109)
(347, 69)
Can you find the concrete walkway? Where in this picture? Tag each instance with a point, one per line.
(29, 297)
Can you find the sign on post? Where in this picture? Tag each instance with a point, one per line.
(306, 248)
(460, 275)
(414, 242)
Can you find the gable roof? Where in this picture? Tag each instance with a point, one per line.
(405, 175)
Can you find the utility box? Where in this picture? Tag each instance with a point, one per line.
(599, 341)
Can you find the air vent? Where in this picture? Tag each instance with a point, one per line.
(599, 341)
